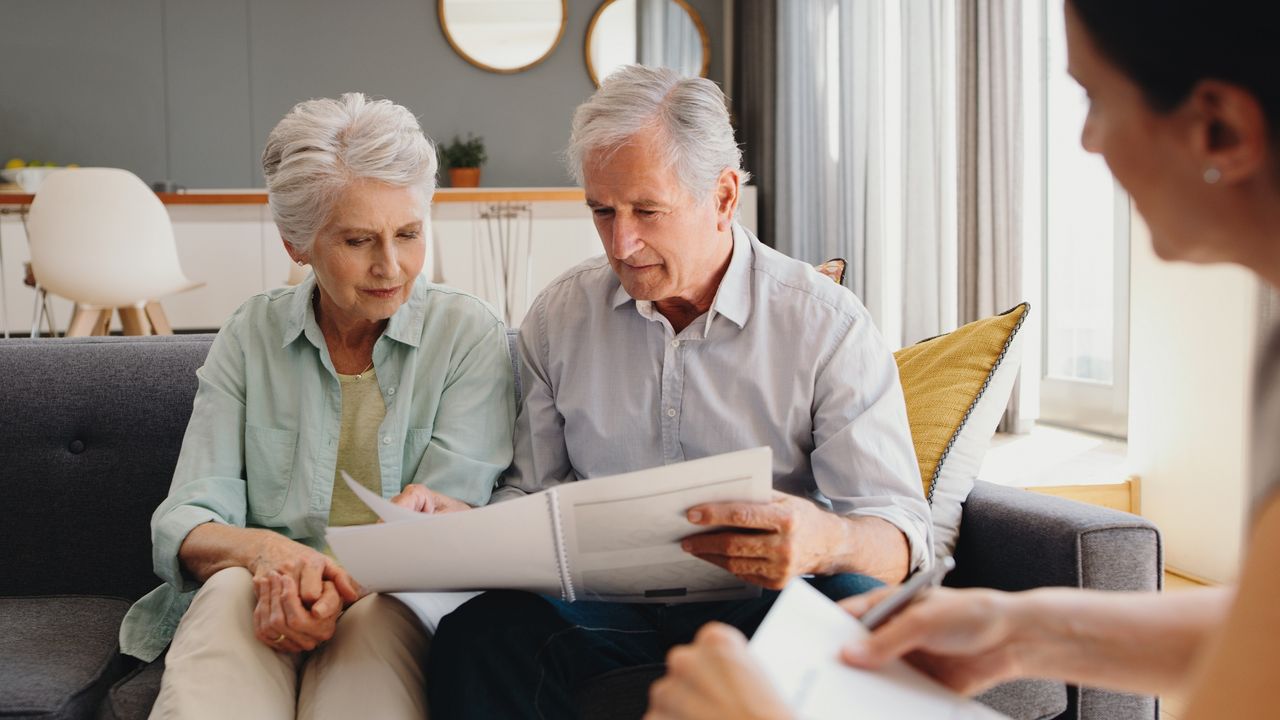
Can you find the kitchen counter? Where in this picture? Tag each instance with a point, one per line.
(259, 197)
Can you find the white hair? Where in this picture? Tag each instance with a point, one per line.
(323, 145)
(690, 115)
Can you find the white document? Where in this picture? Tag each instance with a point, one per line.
(613, 538)
(799, 644)
(432, 607)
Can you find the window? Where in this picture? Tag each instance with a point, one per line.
(1084, 374)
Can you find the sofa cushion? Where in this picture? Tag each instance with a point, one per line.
(1028, 699)
(90, 436)
(57, 654)
(956, 388)
(132, 697)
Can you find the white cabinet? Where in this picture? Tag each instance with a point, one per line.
(224, 247)
(236, 251)
(468, 250)
(563, 235)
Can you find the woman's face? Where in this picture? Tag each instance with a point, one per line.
(369, 251)
(1159, 158)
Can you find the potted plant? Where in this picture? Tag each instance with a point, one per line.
(464, 158)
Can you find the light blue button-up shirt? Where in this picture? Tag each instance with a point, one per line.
(262, 444)
(784, 358)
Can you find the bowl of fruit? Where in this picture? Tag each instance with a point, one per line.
(28, 176)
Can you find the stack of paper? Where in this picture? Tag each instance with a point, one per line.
(799, 644)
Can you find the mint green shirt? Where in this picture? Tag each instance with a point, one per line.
(261, 448)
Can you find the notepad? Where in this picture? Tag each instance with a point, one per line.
(613, 538)
(799, 644)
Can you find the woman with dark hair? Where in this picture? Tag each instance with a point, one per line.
(1185, 108)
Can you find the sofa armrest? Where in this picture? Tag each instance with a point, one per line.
(1012, 539)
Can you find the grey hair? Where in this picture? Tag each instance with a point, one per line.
(690, 115)
(323, 145)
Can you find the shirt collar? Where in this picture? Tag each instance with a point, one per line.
(733, 297)
(620, 296)
(299, 309)
(405, 325)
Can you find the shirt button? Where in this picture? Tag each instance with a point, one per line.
(386, 440)
(675, 343)
(391, 391)
(671, 412)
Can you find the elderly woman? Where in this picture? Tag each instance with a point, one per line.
(365, 367)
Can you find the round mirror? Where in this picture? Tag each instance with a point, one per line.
(503, 36)
(657, 33)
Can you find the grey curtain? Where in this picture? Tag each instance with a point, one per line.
(865, 153)
(753, 98)
(990, 159)
(808, 224)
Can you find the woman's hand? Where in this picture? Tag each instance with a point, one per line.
(714, 677)
(282, 623)
(420, 498)
(969, 640)
(308, 568)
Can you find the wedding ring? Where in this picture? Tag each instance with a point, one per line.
(278, 640)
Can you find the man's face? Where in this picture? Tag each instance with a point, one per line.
(661, 242)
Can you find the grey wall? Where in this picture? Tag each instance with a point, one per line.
(188, 89)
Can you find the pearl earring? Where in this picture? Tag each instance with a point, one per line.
(300, 263)
(1212, 175)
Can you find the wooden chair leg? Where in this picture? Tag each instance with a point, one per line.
(83, 321)
(159, 321)
(102, 325)
(133, 321)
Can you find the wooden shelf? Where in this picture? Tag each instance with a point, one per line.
(443, 195)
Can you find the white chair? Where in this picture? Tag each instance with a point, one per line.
(101, 237)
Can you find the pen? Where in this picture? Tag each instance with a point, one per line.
(921, 581)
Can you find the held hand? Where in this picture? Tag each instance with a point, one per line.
(786, 537)
(420, 498)
(283, 624)
(714, 677)
(969, 640)
(308, 568)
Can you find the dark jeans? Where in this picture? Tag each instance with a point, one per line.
(513, 654)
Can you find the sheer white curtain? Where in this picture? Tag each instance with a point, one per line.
(667, 37)
(991, 163)
(866, 156)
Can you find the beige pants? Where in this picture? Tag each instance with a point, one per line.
(216, 668)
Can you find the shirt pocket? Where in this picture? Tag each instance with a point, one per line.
(415, 447)
(268, 462)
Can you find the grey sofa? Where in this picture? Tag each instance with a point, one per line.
(89, 434)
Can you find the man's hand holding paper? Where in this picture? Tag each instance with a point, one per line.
(791, 536)
(770, 543)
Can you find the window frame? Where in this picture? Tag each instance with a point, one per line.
(1091, 406)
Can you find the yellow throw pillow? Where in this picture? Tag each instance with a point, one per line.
(957, 387)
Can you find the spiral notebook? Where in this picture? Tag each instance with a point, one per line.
(612, 538)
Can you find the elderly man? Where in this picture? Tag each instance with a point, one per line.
(688, 339)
